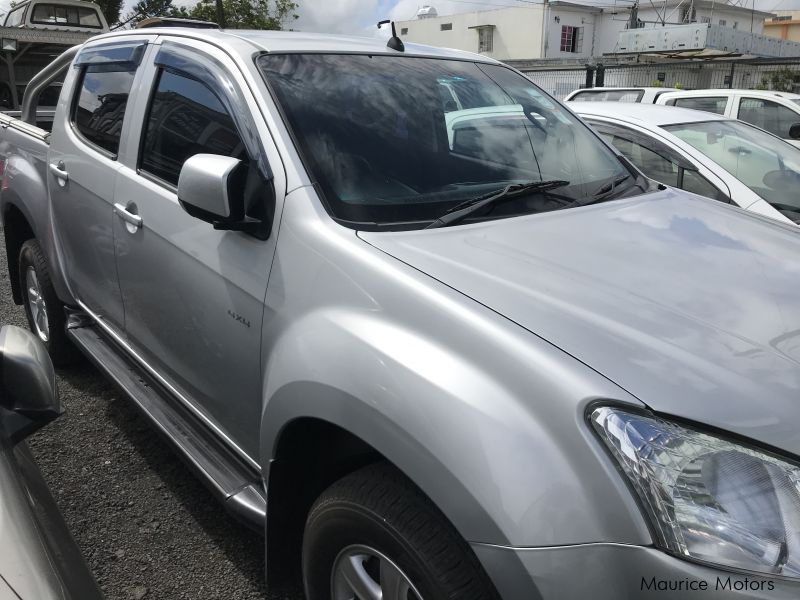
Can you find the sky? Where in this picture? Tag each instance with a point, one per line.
(359, 17)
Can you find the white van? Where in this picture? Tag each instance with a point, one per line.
(777, 112)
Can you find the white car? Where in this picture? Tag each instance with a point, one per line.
(645, 95)
(777, 112)
(704, 153)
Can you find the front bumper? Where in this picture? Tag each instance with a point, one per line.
(617, 572)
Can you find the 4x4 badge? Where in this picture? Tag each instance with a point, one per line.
(239, 318)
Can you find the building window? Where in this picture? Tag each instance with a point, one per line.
(446, 27)
(485, 39)
(705, 19)
(723, 22)
(403, 30)
(571, 39)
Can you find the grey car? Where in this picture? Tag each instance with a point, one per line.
(431, 348)
(40, 559)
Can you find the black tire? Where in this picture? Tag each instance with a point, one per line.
(61, 350)
(379, 508)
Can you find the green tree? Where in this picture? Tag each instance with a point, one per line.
(783, 80)
(247, 14)
(111, 9)
(145, 9)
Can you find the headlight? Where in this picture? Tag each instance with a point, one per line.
(708, 498)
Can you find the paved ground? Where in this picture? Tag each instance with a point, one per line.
(148, 529)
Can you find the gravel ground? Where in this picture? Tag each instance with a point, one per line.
(148, 529)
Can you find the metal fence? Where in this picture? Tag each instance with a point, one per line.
(774, 74)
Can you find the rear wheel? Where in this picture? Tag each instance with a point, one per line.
(374, 536)
(44, 310)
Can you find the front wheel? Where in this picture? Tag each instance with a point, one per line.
(44, 310)
(374, 536)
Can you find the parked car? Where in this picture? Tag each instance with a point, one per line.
(705, 154)
(71, 15)
(776, 112)
(41, 560)
(423, 370)
(646, 95)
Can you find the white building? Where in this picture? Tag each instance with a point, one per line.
(560, 29)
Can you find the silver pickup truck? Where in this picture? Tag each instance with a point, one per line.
(410, 317)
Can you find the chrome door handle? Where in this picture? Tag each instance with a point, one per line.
(126, 216)
(58, 171)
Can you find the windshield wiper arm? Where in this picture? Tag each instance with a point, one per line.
(601, 194)
(461, 211)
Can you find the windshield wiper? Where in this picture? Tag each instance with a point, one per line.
(461, 211)
(603, 193)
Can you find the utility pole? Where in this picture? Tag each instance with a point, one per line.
(220, 14)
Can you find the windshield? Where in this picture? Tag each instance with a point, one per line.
(764, 163)
(395, 141)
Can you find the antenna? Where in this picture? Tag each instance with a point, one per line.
(395, 43)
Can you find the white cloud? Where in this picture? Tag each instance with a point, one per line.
(337, 16)
(360, 16)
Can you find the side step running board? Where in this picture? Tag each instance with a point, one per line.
(231, 480)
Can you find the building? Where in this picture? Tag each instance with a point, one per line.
(569, 30)
(784, 26)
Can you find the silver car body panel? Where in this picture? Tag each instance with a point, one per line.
(40, 559)
(687, 332)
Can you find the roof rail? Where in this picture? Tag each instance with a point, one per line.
(172, 22)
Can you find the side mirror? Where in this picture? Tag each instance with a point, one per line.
(213, 188)
(28, 394)
(794, 131)
(207, 187)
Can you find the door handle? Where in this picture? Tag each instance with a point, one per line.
(58, 171)
(127, 216)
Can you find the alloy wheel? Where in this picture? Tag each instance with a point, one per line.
(37, 305)
(363, 573)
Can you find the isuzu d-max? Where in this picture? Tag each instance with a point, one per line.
(409, 316)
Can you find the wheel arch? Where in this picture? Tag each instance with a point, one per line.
(17, 229)
(331, 434)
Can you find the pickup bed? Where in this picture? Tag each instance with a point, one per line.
(411, 318)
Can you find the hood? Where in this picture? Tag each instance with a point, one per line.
(690, 305)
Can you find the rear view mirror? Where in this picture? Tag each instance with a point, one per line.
(28, 394)
(794, 131)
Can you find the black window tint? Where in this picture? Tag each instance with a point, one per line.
(185, 119)
(100, 107)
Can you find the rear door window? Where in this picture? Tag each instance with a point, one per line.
(769, 115)
(185, 118)
(99, 107)
(714, 104)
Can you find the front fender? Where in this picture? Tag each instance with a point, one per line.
(504, 469)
